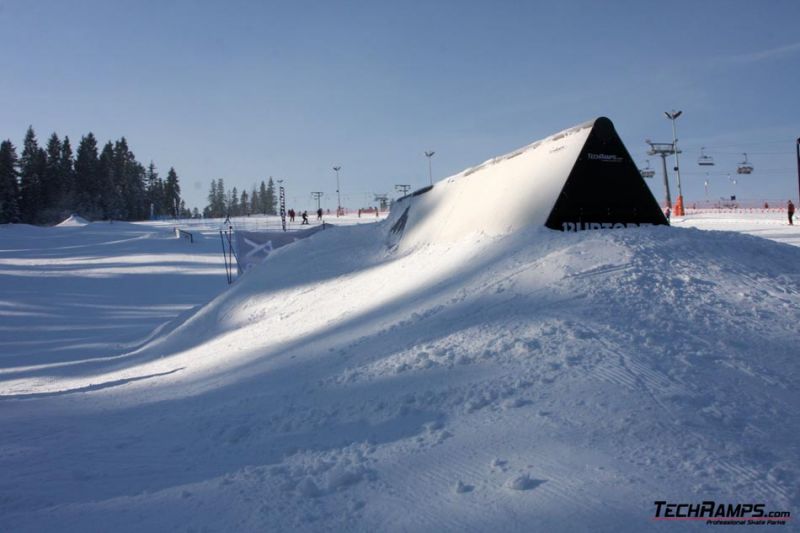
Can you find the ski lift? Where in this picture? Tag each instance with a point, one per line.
(744, 167)
(647, 172)
(705, 160)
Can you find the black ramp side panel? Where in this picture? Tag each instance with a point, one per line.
(604, 188)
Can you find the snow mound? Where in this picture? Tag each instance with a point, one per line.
(487, 383)
(73, 221)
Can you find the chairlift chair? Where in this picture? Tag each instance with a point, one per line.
(705, 160)
(647, 172)
(744, 167)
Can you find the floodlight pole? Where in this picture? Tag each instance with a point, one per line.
(673, 116)
(338, 195)
(429, 154)
(402, 188)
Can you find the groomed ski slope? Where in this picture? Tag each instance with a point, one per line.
(536, 381)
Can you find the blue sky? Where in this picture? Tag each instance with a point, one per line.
(247, 90)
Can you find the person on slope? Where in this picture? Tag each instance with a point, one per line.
(790, 212)
(667, 213)
(291, 215)
(319, 214)
(305, 217)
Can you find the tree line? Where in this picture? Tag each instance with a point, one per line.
(223, 202)
(46, 185)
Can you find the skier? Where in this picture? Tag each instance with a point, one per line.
(319, 214)
(667, 213)
(291, 215)
(305, 218)
(790, 212)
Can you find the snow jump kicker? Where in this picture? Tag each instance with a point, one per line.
(582, 178)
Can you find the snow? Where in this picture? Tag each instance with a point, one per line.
(768, 223)
(519, 379)
(73, 220)
(500, 196)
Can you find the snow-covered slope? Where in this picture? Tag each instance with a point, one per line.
(529, 381)
(500, 196)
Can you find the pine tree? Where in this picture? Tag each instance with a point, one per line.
(263, 198)
(51, 180)
(208, 212)
(9, 188)
(32, 167)
(121, 174)
(220, 202)
(110, 202)
(138, 201)
(271, 200)
(153, 191)
(254, 201)
(87, 178)
(233, 203)
(66, 174)
(172, 193)
(244, 204)
(129, 176)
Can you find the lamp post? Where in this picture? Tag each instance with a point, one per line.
(402, 188)
(429, 154)
(679, 204)
(338, 195)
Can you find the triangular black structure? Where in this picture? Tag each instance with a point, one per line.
(604, 188)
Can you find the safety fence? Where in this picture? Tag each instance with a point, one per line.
(772, 205)
(243, 250)
(734, 210)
